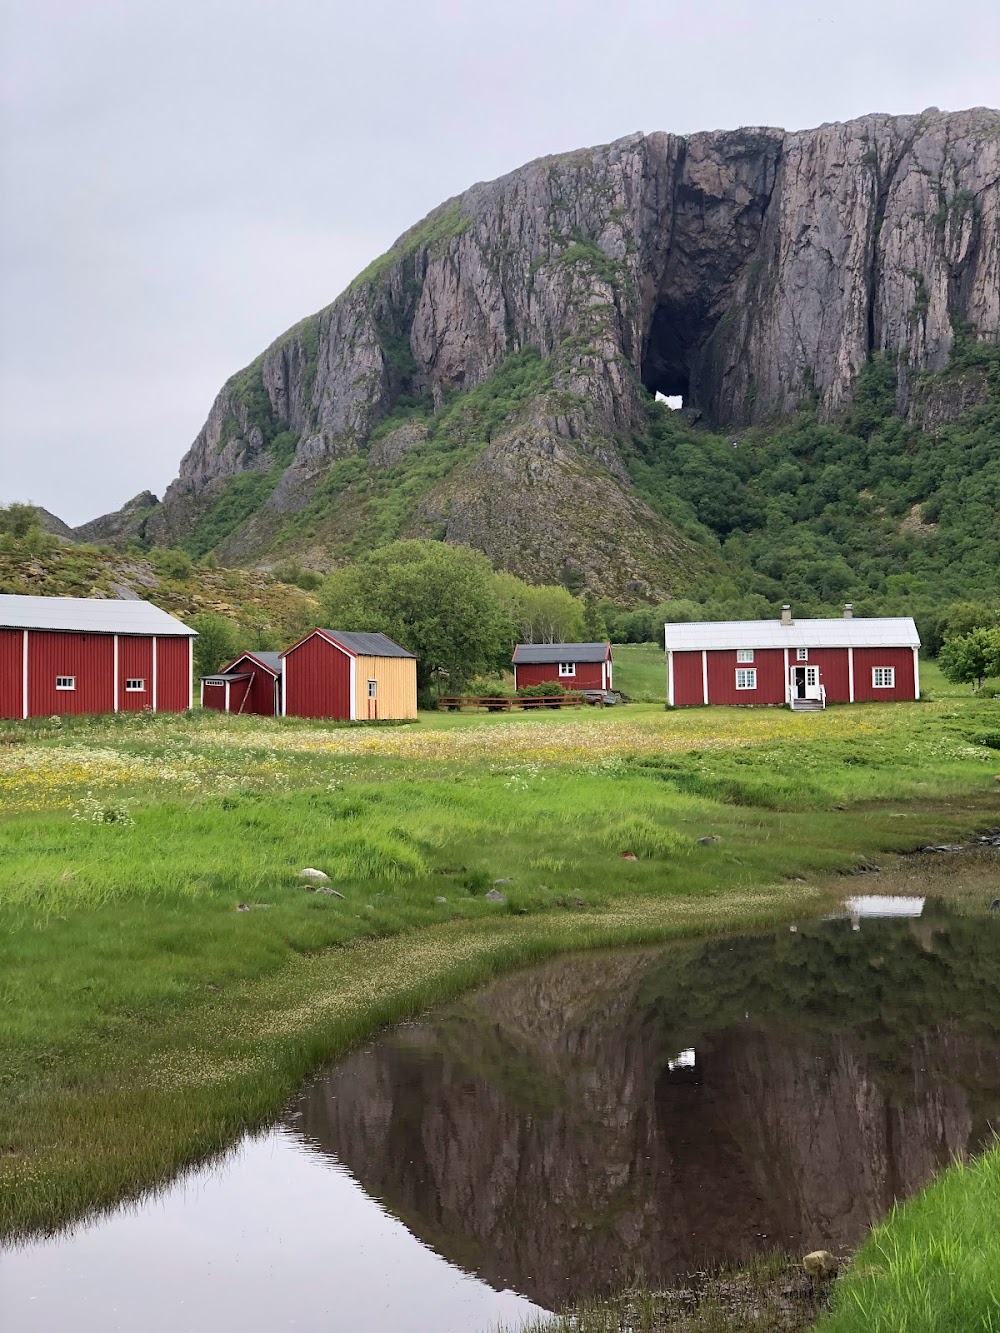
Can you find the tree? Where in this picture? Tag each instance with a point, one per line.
(540, 613)
(219, 641)
(21, 530)
(971, 658)
(594, 628)
(439, 601)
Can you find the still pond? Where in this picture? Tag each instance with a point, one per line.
(534, 1143)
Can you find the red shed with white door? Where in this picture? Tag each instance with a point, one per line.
(91, 655)
(349, 677)
(576, 666)
(804, 664)
(249, 684)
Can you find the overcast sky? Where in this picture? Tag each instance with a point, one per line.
(183, 180)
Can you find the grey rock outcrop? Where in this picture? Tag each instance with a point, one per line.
(124, 525)
(746, 270)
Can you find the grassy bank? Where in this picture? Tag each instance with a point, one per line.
(147, 1019)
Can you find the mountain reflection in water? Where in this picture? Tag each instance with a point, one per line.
(649, 1112)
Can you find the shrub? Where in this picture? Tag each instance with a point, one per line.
(644, 838)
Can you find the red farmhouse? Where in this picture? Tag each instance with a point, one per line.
(349, 677)
(805, 664)
(577, 666)
(250, 684)
(91, 655)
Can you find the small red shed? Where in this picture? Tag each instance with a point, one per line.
(249, 684)
(576, 666)
(91, 655)
(349, 677)
(804, 664)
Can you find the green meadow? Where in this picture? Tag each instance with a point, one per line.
(167, 978)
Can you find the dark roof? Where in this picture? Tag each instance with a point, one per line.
(526, 653)
(220, 677)
(272, 660)
(368, 645)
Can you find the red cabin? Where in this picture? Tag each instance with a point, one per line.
(576, 666)
(349, 677)
(91, 655)
(249, 684)
(803, 664)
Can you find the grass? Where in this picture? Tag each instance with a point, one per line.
(640, 671)
(148, 1021)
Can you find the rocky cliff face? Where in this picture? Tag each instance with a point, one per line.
(747, 271)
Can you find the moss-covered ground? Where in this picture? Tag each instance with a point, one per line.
(166, 979)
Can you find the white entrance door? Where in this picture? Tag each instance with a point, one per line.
(805, 682)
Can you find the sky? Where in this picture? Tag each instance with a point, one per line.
(180, 182)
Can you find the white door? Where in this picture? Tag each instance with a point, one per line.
(812, 682)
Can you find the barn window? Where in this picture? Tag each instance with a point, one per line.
(65, 682)
(802, 654)
(372, 689)
(883, 678)
(567, 668)
(744, 654)
(135, 685)
(746, 678)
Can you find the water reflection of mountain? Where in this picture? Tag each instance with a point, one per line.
(545, 1135)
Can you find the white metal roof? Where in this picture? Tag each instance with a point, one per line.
(88, 615)
(844, 632)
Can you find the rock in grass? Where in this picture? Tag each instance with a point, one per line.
(494, 896)
(714, 837)
(243, 907)
(628, 856)
(329, 893)
(439, 899)
(317, 876)
(503, 881)
(820, 1264)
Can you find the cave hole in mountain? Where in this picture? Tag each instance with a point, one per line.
(677, 333)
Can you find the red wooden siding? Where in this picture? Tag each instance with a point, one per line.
(318, 680)
(834, 671)
(769, 663)
(214, 696)
(588, 675)
(261, 693)
(688, 687)
(173, 675)
(11, 672)
(90, 658)
(867, 658)
(135, 662)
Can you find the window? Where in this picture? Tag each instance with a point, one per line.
(567, 668)
(746, 678)
(802, 654)
(134, 685)
(65, 682)
(372, 689)
(744, 654)
(883, 678)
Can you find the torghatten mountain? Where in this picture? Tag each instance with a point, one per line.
(485, 380)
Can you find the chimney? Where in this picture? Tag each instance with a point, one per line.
(786, 616)
(848, 611)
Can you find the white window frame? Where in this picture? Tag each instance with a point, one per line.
(744, 654)
(802, 654)
(373, 689)
(135, 685)
(883, 678)
(65, 682)
(746, 678)
(567, 668)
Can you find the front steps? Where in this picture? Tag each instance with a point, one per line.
(807, 705)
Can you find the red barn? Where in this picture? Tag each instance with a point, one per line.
(805, 664)
(349, 677)
(250, 684)
(91, 655)
(577, 666)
